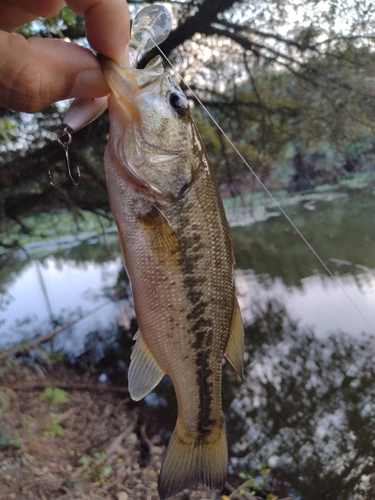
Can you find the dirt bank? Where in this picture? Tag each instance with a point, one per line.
(64, 436)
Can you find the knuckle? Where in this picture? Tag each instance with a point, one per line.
(46, 8)
(28, 89)
(21, 78)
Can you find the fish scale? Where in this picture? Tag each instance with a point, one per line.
(177, 250)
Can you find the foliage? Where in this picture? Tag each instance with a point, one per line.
(257, 482)
(9, 441)
(53, 395)
(307, 405)
(53, 427)
(56, 356)
(358, 181)
(290, 83)
(96, 469)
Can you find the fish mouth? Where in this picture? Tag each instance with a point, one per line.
(123, 85)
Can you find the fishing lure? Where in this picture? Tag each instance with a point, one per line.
(150, 27)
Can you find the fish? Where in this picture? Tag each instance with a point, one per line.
(177, 250)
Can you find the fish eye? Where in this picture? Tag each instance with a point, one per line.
(178, 102)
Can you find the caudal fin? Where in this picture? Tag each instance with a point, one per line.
(189, 461)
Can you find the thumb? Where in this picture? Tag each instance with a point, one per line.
(39, 71)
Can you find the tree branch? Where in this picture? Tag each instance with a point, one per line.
(206, 14)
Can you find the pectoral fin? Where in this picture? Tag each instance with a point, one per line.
(162, 239)
(235, 346)
(144, 372)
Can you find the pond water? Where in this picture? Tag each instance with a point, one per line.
(307, 406)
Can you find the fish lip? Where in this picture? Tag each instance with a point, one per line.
(106, 63)
(122, 83)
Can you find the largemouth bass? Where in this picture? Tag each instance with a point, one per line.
(177, 250)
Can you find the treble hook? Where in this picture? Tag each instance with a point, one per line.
(65, 144)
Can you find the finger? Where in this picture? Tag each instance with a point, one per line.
(107, 25)
(16, 14)
(36, 72)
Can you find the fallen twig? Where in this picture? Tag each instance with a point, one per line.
(32, 343)
(144, 437)
(40, 481)
(118, 440)
(40, 340)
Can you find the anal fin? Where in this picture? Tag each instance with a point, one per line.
(235, 346)
(144, 371)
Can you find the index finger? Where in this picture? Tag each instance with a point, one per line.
(107, 25)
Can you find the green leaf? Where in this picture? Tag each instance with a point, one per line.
(53, 395)
(85, 460)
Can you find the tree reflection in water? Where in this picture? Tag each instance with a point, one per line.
(306, 407)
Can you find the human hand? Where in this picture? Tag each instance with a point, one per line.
(35, 72)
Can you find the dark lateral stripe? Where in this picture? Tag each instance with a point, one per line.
(197, 311)
(191, 282)
(194, 296)
(202, 323)
(203, 340)
(204, 373)
(201, 331)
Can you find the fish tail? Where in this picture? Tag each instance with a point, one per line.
(190, 460)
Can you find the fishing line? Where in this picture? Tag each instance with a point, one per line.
(269, 193)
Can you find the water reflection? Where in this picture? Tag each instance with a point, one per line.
(273, 262)
(44, 292)
(322, 302)
(307, 408)
(75, 273)
(340, 231)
